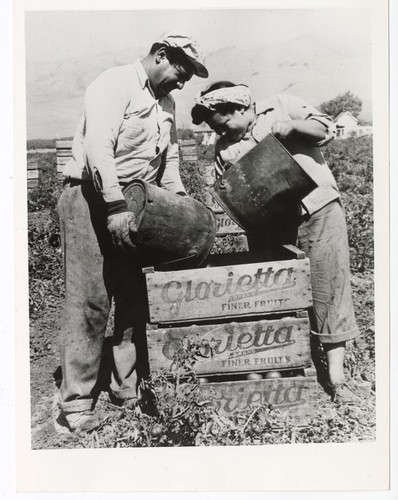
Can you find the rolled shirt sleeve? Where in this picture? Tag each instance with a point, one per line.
(301, 110)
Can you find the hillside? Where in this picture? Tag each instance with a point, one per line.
(308, 67)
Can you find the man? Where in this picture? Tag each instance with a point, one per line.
(318, 224)
(128, 132)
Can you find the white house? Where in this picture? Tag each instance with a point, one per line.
(347, 126)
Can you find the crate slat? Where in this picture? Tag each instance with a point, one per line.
(188, 142)
(62, 160)
(33, 173)
(229, 291)
(33, 183)
(64, 154)
(63, 144)
(33, 164)
(234, 347)
(292, 396)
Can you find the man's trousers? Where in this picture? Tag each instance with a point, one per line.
(94, 275)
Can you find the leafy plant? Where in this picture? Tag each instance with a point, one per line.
(347, 101)
(44, 246)
(179, 412)
(193, 180)
(351, 162)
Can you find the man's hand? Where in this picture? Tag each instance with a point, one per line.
(119, 226)
(282, 130)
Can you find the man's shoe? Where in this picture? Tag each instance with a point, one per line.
(81, 421)
(342, 394)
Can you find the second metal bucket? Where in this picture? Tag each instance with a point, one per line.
(263, 187)
(170, 227)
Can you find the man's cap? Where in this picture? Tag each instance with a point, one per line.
(190, 48)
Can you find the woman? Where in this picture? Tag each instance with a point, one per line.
(320, 224)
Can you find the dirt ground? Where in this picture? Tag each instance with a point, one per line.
(358, 421)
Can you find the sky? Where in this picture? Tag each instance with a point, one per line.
(56, 35)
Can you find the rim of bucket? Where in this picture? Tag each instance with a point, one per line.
(140, 210)
(175, 265)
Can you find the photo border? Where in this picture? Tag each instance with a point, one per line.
(255, 468)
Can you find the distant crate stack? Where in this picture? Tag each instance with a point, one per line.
(248, 313)
(189, 150)
(64, 154)
(33, 173)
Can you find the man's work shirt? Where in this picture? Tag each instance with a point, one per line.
(308, 155)
(125, 134)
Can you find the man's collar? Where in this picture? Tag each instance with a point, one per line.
(142, 76)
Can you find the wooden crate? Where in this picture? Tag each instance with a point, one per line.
(225, 225)
(189, 150)
(235, 347)
(33, 173)
(61, 162)
(64, 154)
(63, 144)
(33, 183)
(228, 291)
(293, 396)
(231, 301)
(189, 157)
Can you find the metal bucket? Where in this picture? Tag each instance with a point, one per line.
(170, 227)
(263, 188)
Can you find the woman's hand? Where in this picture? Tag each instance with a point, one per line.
(311, 130)
(282, 130)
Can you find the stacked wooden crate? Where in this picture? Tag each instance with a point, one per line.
(247, 312)
(189, 150)
(249, 316)
(33, 173)
(64, 154)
